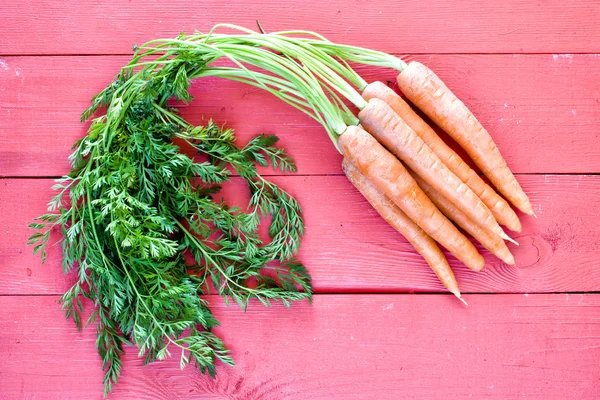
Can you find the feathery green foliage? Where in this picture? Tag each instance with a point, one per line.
(141, 226)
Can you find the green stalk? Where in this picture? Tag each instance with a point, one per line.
(308, 73)
(330, 71)
(305, 83)
(275, 42)
(344, 52)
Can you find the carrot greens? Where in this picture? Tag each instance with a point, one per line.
(145, 233)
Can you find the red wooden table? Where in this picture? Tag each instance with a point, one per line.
(381, 326)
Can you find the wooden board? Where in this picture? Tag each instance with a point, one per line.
(529, 72)
(340, 347)
(531, 104)
(435, 26)
(351, 248)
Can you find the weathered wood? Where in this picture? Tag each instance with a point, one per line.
(531, 104)
(478, 26)
(340, 347)
(542, 110)
(348, 247)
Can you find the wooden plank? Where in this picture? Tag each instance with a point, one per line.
(340, 347)
(542, 110)
(479, 26)
(348, 247)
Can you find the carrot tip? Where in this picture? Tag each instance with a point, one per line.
(461, 299)
(506, 237)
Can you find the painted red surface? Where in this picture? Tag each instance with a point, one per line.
(352, 249)
(531, 104)
(340, 347)
(511, 62)
(437, 26)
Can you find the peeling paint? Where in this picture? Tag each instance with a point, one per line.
(563, 58)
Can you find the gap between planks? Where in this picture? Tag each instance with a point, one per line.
(307, 175)
(393, 53)
(363, 293)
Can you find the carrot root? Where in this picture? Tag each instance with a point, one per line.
(390, 212)
(382, 122)
(390, 176)
(498, 206)
(427, 91)
(493, 243)
(508, 238)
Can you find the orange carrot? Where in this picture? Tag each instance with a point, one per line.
(388, 174)
(390, 130)
(424, 244)
(491, 242)
(497, 205)
(427, 91)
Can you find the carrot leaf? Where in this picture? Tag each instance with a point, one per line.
(143, 229)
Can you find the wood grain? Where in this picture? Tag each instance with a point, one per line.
(348, 247)
(531, 104)
(340, 347)
(542, 109)
(435, 26)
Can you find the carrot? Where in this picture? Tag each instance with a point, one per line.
(422, 242)
(492, 243)
(388, 174)
(427, 91)
(391, 131)
(497, 205)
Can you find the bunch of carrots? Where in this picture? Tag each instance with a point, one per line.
(414, 180)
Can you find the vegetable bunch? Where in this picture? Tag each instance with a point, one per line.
(394, 158)
(142, 226)
(145, 233)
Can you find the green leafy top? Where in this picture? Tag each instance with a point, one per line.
(142, 228)
(139, 219)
